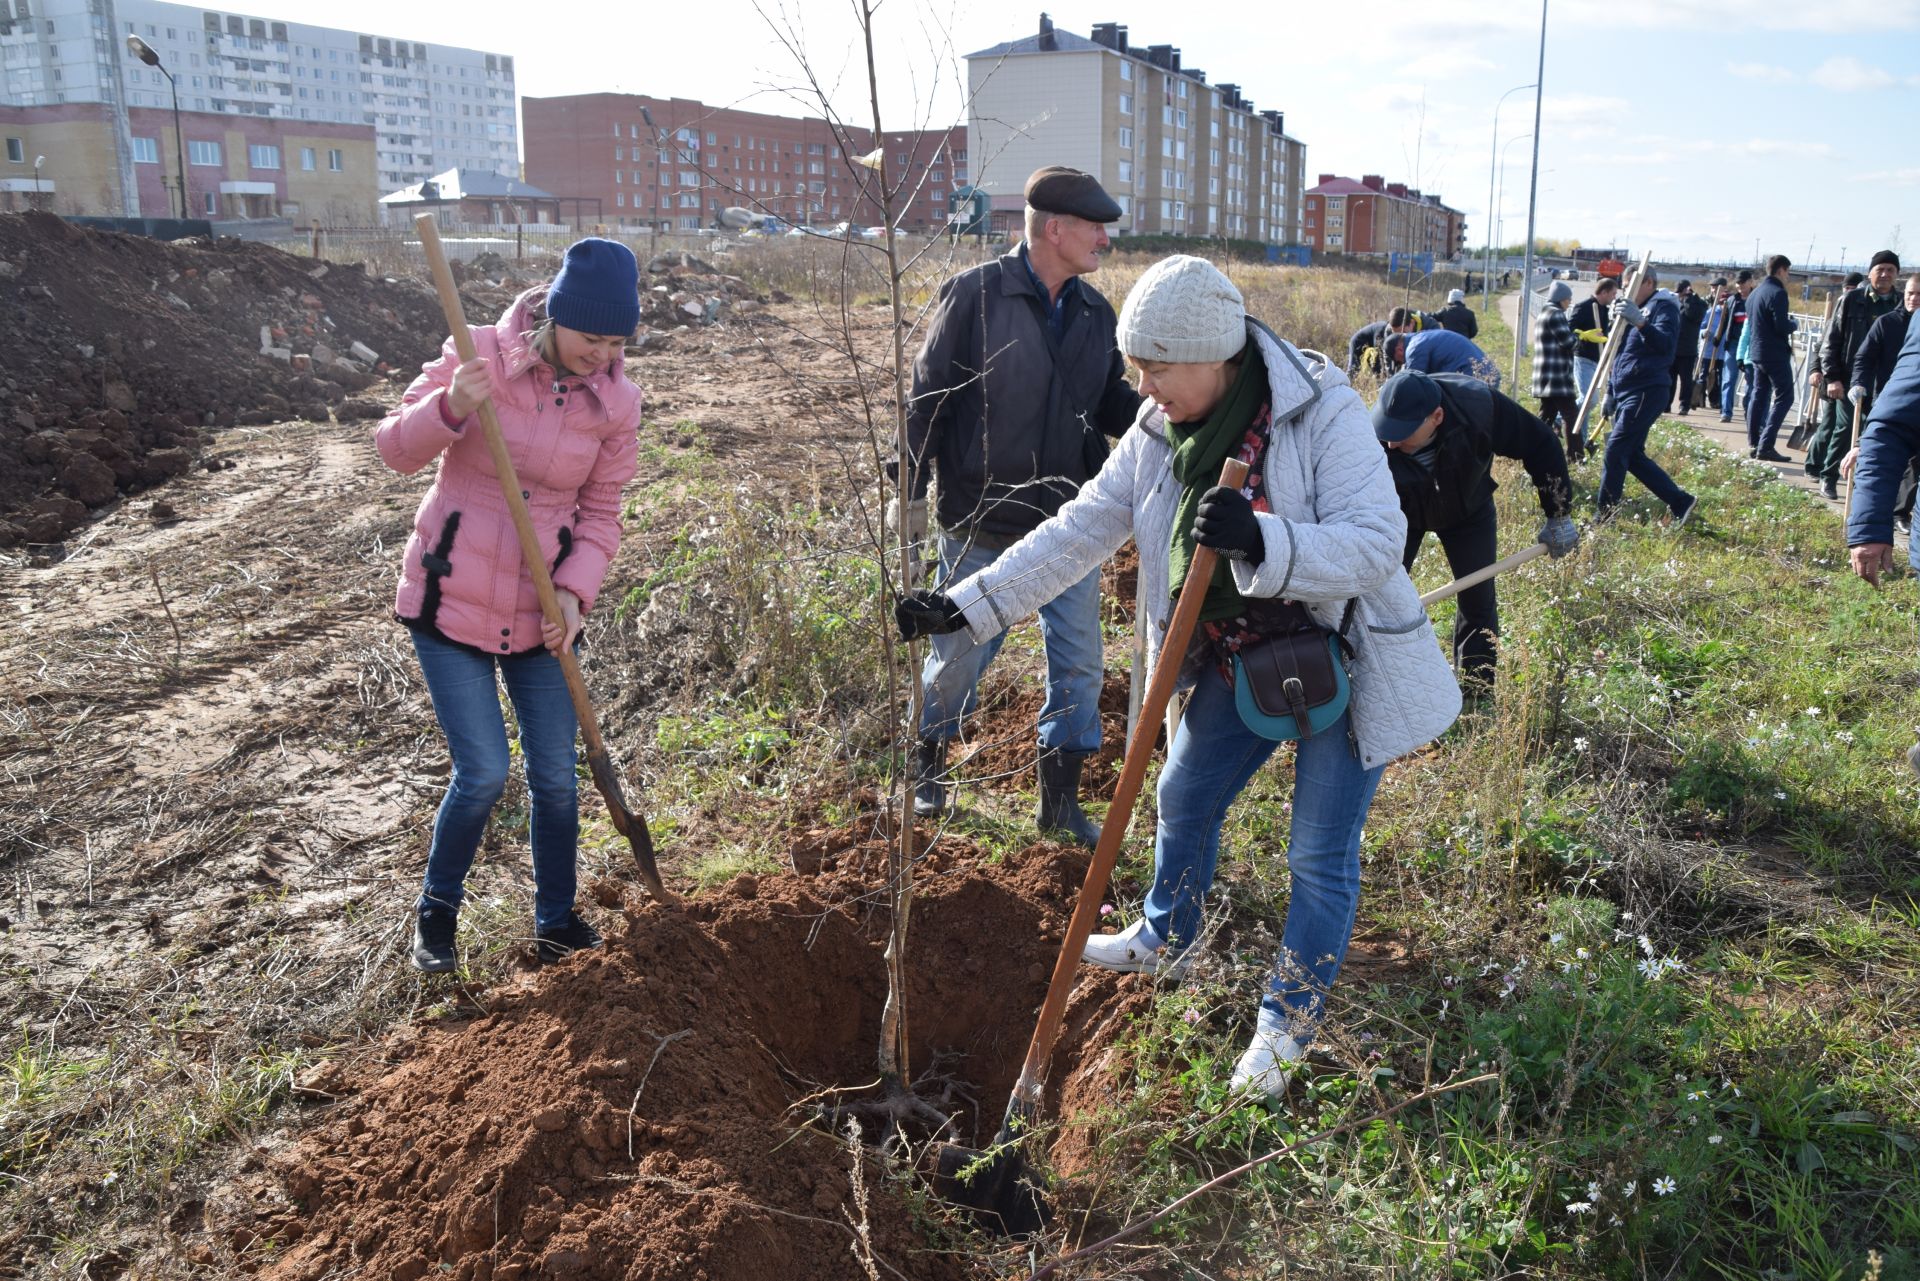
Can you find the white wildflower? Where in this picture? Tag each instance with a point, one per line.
(1664, 1185)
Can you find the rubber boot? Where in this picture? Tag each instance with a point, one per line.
(929, 775)
(1060, 812)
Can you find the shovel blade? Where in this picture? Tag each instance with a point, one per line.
(996, 1187)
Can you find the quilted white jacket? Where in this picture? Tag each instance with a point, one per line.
(1335, 533)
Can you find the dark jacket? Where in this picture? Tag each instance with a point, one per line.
(1645, 358)
(1364, 337)
(1479, 423)
(1891, 439)
(1772, 321)
(1014, 421)
(1459, 317)
(1589, 314)
(1693, 314)
(1720, 331)
(1856, 313)
(1873, 360)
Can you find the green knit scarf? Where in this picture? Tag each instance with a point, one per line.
(1199, 450)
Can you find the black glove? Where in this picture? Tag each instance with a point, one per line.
(1226, 523)
(920, 614)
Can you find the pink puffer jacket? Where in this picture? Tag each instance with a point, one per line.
(573, 442)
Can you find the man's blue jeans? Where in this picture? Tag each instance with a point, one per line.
(1633, 415)
(1212, 758)
(1772, 398)
(1583, 372)
(1070, 628)
(467, 705)
(1729, 383)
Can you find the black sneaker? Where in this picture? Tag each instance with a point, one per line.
(560, 942)
(1772, 456)
(433, 930)
(1830, 489)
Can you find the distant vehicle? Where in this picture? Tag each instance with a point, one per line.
(800, 231)
(879, 233)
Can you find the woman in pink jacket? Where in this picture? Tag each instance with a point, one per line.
(554, 369)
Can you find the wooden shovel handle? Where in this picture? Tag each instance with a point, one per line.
(1479, 576)
(1166, 671)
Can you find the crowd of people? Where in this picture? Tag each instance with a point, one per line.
(1048, 430)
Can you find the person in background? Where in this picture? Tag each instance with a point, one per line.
(1693, 310)
(1015, 392)
(1591, 320)
(1458, 317)
(1637, 390)
(1363, 349)
(1442, 433)
(1553, 383)
(554, 367)
(1311, 541)
(1872, 367)
(1853, 317)
(1716, 341)
(1771, 325)
(1730, 370)
(1441, 351)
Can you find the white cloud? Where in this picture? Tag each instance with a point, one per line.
(1847, 74)
(1444, 64)
(1891, 177)
(1582, 108)
(1835, 17)
(1760, 71)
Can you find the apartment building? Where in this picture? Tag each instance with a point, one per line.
(1180, 155)
(692, 161)
(1374, 216)
(431, 106)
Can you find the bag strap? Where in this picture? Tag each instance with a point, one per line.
(1346, 621)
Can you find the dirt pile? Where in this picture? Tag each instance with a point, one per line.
(632, 1114)
(682, 289)
(121, 348)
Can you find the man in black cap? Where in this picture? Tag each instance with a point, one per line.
(1015, 391)
(1686, 352)
(1441, 432)
(1833, 361)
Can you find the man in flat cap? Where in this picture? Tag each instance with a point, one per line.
(1015, 392)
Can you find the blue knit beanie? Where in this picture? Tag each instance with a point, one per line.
(597, 290)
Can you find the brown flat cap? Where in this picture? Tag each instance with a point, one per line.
(1058, 189)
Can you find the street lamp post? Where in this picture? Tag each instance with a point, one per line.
(1533, 202)
(1485, 290)
(145, 52)
(39, 192)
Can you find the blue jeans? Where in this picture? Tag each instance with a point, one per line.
(467, 705)
(1070, 628)
(1212, 757)
(1633, 415)
(1583, 372)
(1772, 398)
(1729, 383)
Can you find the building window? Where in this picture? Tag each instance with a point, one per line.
(1183, 88)
(203, 153)
(1180, 117)
(333, 160)
(619, 200)
(263, 157)
(210, 201)
(1126, 104)
(1126, 138)
(16, 151)
(1126, 69)
(146, 151)
(306, 159)
(1126, 171)
(616, 129)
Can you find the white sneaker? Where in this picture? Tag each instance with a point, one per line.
(1136, 950)
(1267, 1066)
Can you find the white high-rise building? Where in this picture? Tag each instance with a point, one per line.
(433, 107)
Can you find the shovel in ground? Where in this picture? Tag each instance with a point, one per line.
(997, 1184)
(629, 824)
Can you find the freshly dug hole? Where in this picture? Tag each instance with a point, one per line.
(501, 1148)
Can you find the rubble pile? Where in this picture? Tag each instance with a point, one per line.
(680, 289)
(122, 349)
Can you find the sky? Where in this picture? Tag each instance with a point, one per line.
(1713, 129)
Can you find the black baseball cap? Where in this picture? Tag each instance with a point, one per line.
(1406, 401)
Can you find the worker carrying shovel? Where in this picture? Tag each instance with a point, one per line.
(554, 369)
(1442, 433)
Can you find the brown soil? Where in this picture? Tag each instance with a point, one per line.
(640, 1112)
(1000, 745)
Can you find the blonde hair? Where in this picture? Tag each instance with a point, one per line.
(541, 337)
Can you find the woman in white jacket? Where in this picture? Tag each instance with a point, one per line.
(1317, 534)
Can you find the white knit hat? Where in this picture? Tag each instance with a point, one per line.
(1456, 295)
(1185, 312)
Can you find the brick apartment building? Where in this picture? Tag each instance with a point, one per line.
(705, 159)
(1374, 216)
(308, 171)
(1181, 156)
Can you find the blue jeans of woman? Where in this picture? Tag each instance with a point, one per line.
(1213, 756)
(1070, 629)
(467, 704)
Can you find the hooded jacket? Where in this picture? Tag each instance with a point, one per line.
(1335, 534)
(573, 442)
(1014, 420)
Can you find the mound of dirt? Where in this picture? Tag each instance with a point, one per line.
(121, 348)
(637, 1112)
